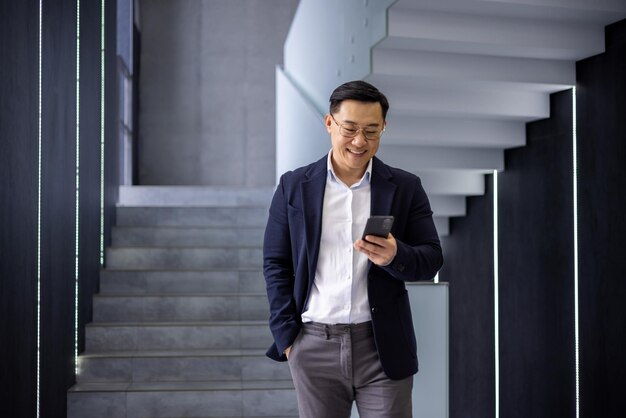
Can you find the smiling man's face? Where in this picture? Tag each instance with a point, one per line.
(351, 155)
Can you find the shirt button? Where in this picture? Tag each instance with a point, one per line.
(346, 307)
(374, 309)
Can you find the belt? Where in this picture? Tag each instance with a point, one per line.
(329, 330)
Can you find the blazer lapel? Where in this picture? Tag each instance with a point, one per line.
(383, 189)
(312, 207)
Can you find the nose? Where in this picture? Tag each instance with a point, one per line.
(359, 139)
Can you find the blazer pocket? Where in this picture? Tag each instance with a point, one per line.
(295, 218)
(294, 212)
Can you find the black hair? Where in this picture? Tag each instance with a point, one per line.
(357, 90)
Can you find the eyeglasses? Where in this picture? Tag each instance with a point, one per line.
(351, 130)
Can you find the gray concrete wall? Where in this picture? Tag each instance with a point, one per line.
(207, 90)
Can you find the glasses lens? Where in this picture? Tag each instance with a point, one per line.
(349, 130)
(372, 134)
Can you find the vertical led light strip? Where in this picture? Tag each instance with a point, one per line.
(496, 286)
(77, 203)
(575, 192)
(39, 217)
(102, 133)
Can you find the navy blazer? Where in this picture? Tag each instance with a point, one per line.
(291, 248)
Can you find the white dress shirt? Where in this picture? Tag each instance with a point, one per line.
(339, 291)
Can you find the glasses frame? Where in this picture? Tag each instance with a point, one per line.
(361, 129)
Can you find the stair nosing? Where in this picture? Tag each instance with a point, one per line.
(152, 269)
(179, 295)
(161, 247)
(177, 324)
(185, 386)
(205, 205)
(215, 352)
(221, 226)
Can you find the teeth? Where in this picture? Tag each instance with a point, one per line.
(357, 152)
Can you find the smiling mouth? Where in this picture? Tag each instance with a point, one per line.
(357, 152)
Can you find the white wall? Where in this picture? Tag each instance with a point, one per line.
(301, 137)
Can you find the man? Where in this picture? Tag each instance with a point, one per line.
(339, 309)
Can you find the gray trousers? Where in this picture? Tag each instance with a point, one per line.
(334, 365)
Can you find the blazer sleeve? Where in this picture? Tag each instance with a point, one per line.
(278, 269)
(419, 255)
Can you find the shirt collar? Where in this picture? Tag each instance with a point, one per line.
(365, 180)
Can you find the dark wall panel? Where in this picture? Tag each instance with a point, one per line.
(19, 99)
(90, 95)
(536, 270)
(468, 266)
(601, 82)
(58, 203)
(18, 206)
(111, 118)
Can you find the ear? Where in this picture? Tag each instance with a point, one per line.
(328, 122)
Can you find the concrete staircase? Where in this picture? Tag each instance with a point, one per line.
(180, 324)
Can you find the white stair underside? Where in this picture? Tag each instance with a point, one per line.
(483, 34)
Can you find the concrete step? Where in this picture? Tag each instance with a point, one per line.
(254, 216)
(186, 236)
(454, 132)
(179, 366)
(192, 307)
(137, 258)
(457, 68)
(264, 398)
(194, 196)
(428, 97)
(181, 281)
(177, 335)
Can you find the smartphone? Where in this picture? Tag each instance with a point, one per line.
(379, 226)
